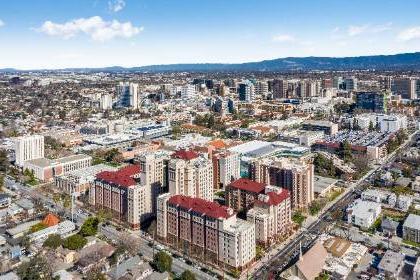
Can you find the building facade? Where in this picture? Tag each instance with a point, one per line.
(28, 148)
(226, 168)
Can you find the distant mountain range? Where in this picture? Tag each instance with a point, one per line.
(404, 61)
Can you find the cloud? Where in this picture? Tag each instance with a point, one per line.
(354, 30)
(284, 38)
(95, 27)
(335, 30)
(409, 34)
(116, 5)
(1, 23)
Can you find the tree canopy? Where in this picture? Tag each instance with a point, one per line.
(74, 242)
(163, 262)
(90, 226)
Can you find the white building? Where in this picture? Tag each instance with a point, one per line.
(188, 92)
(61, 229)
(106, 102)
(227, 167)
(363, 213)
(386, 123)
(28, 148)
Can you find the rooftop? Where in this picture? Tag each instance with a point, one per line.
(204, 207)
(185, 154)
(122, 177)
(248, 185)
(412, 221)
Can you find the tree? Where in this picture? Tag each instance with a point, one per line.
(36, 269)
(4, 161)
(259, 252)
(37, 227)
(89, 227)
(1, 183)
(187, 275)
(74, 242)
(163, 262)
(95, 274)
(62, 114)
(53, 241)
(345, 151)
(371, 126)
(355, 125)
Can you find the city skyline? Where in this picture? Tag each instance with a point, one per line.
(137, 33)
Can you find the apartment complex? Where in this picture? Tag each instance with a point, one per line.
(241, 194)
(411, 228)
(190, 174)
(294, 175)
(128, 95)
(28, 148)
(47, 169)
(123, 195)
(226, 168)
(206, 230)
(272, 215)
(405, 87)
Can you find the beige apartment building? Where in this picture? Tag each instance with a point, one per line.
(295, 175)
(226, 168)
(206, 231)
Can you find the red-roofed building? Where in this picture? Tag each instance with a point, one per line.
(205, 230)
(241, 194)
(272, 215)
(185, 154)
(123, 194)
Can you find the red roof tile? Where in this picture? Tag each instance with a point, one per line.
(185, 155)
(205, 207)
(248, 185)
(51, 220)
(122, 177)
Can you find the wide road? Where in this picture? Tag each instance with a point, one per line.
(305, 238)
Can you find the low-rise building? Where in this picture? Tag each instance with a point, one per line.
(411, 228)
(363, 213)
(391, 264)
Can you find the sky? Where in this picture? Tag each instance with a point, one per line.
(96, 33)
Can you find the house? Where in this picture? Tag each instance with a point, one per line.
(391, 264)
(94, 255)
(133, 268)
(389, 227)
(5, 200)
(404, 202)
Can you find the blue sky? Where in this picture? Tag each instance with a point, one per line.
(94, 33)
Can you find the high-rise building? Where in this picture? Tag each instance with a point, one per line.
(226, 168)
(122, 194)
(327, 83)
(28, 148)
(206, 231)
(296, 176)
(405, 87)
(272, 215)
(188, 92)
(128, 95)
(190, 174)
(350, 84)
(371, 101)
(241, 194)
(261, 88)
(106, 102)
(306, 89)
(246, 91)
(279, 88)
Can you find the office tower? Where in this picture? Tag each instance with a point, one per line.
(261, 88)
(246, 91)
(296, 176)
(306, 89)
(371, 101)
(122, 194)
(128, 95)
(327, 83)
(279, 88)
(226, 168)
(28, 148)
(206, 231)
(190, 174)
(405, 87)
(272, 215)
(338, 83)
(350, 84)
(327, 127)
(232, 105)
(106, 102)
(188, 91)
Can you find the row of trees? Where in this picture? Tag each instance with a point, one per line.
(163, 263)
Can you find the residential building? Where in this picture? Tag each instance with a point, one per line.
(279, 88)
(241, 194)
(226, 168)
(406, 87)
(261, 88)
(206, 230)
(191, 174)
(271, 215)
(106, 102)
(47, 169)
(123, 195)
(28, 148)
(188, 92)
(391, 264)
(294, 175)
(411, 228)
(128, 95)
(363, 213)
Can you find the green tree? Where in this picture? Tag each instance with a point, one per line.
(187, 275)
(163, 262)
(74, 242)
(345, 151)
(37, 227)
(371, 126)
(36, 269)
(89, 227)
(4, 161)
(53, 241)
(1, 183)
(259, 252)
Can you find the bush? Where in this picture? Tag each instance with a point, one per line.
(187, 275)
(298, 218)
(37, 227)
(90, 227)
(74, 242)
